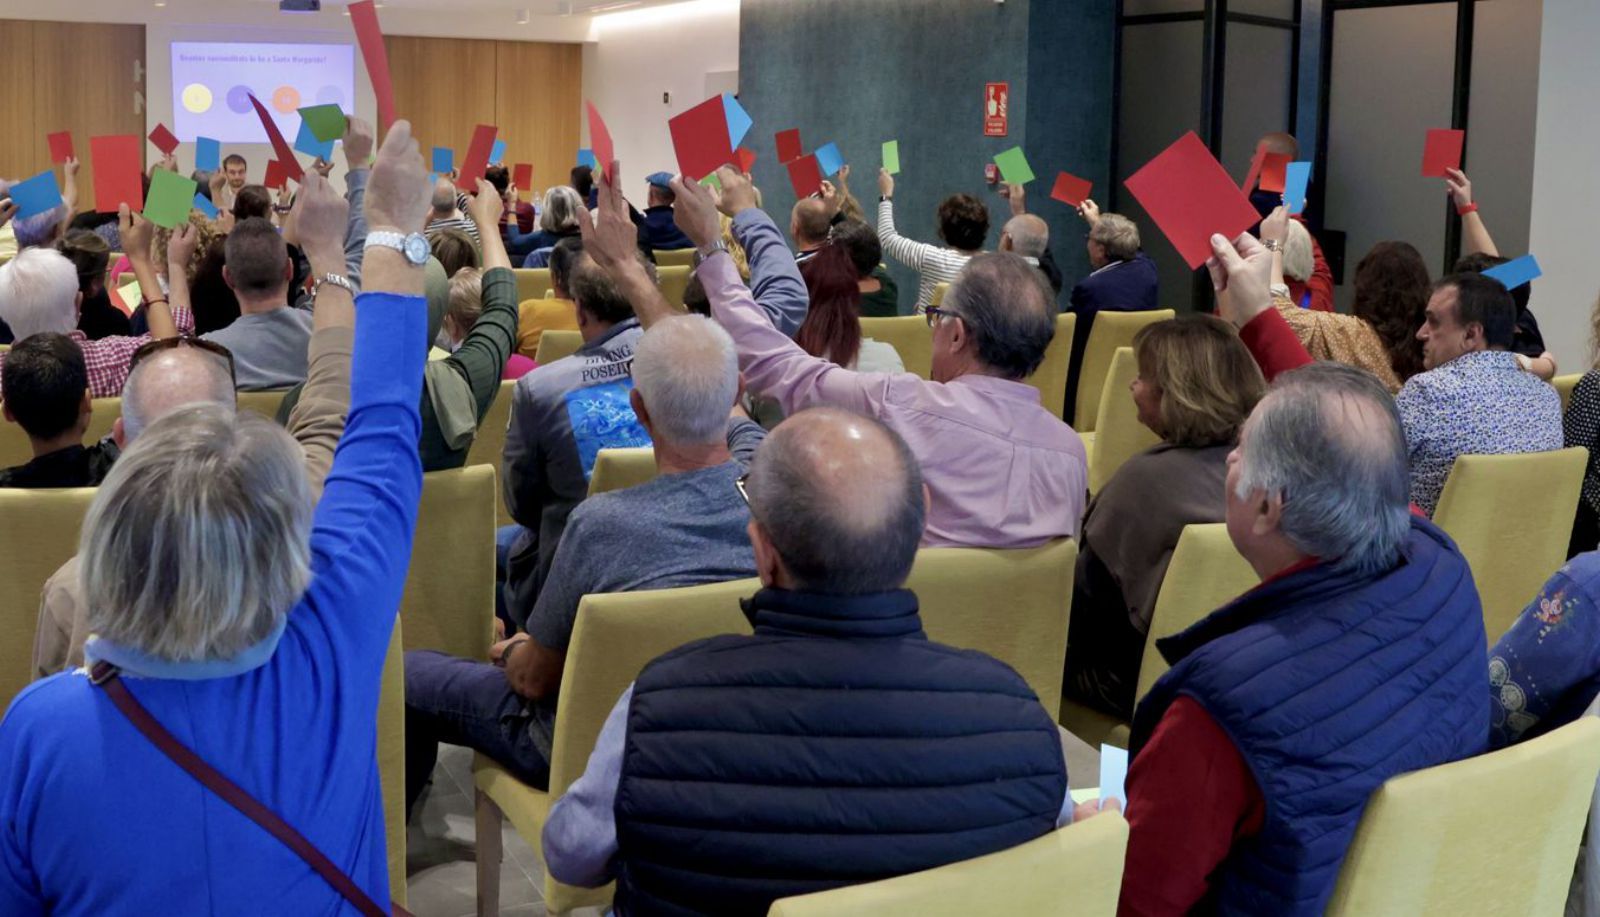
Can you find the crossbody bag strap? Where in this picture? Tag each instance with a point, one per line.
(105, 676)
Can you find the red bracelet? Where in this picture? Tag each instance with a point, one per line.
(151, 302)
(1465, 209)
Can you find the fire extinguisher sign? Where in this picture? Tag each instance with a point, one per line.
(996, 102)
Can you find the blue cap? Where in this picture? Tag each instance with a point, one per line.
(660, 179)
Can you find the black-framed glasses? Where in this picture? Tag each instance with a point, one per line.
(934, 312)
(183, 340)
(742, 484)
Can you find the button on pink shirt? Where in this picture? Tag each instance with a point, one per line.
(1002, 472)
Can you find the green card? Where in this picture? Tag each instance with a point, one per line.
(170, 199)
(891, 157)
(326, 121)
(1014, 166)
(712, 181)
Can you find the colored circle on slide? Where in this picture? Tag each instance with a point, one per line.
(197, 98)
(239, 99)
(286, 99)
(330, 95)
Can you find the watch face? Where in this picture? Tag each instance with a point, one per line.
(416, 248)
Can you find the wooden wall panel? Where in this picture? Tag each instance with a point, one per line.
(18, 142)
(445, 87)
(538, 97)
(83, 82)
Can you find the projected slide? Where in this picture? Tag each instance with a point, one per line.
(212, 83)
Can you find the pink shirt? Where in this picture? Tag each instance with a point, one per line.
(1002, 472)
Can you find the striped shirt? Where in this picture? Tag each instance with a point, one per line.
(935, 264)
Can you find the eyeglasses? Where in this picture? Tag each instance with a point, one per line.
(183, 340)
(934, 312)
(742, 484)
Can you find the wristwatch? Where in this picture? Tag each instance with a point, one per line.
(701, 255)
(414, 246)
(338, 280)
(1272, 245)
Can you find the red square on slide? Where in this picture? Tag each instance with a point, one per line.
(1442, 151)
(1190, 196)
(700, 137)
(1071, 190)
(805, 174)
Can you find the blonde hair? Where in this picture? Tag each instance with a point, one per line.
(1209, 383)
(466, 300)
(1297, 260)
(1117, 235)
(207, 234)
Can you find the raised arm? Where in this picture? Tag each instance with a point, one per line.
(612, 240)
(912, 254)
(775, 279)
(482, 356)
(1241, 274)
(358, 158)
(136, 234)
(321, 220)
(1474, 235)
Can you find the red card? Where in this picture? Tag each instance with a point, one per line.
(364, 16)
(1274, 168)
(1071, 190)
(700, 137)
(600, 140)
(277, 175)
(1190, 197)
(1254, 174)
(746, 158)
(472, 168)
(118, 172)
(289, 164)
(806, 176)
(163, 139)
(522, 177)
(60, 146)
(789, 145)
(1442, 151)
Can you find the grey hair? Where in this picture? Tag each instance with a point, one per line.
(444, 196)
(39, 292)
(1327, 440)
(1030, 236)
(561, 206)
(1297, 262)
(164, 382)
(1008, 308)
(199, 541)
(1117, 234)
(687, 371)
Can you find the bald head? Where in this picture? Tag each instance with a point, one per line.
(1029, 235)
(840, 498)
(171, 379)
(809, 221)
(444, 197)
(1280, 143)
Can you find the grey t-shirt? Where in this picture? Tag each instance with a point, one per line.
(269, 348)
(677, 530)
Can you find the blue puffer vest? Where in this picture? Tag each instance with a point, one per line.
(1330, 683)
(838, 745)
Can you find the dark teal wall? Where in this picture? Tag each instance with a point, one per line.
(859, 72)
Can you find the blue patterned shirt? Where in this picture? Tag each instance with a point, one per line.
(1545, 671)
(1477, 404)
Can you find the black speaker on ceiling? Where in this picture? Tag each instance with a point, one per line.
(299, 6)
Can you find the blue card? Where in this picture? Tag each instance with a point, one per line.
(586, 158)
(306, 142)
(39, 194)
(738, 120)
(1295, 179)
(829, 158)
(444, 159)
(206, 207)
(1113, 774)
(498, 154)
(1513, 273)
(207, 154)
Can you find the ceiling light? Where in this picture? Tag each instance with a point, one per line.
(522, 17)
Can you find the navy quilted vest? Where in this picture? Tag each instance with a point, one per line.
(1330, 683)
(837, 745)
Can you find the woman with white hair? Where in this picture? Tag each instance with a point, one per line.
(558, 220)
(235, 624)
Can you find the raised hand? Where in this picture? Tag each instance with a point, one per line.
(486, 206)
(1459, 186)
(136, 234)
(1276, 226)
(695, 211)
(1018, 196)
(358, 143)
(1090, 211)
(399, 194)
(610, 237)
(1241, 274)
(885, 183)
(738, 192)
(322, 167)
(180, 249)
(70, 169)
(321, 217)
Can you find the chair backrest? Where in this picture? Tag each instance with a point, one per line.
(38, 533)
(616, 469)
(489, 446)
(937, 296)
(1509, 515)
(264, 403)
(1011, 604)
(1118, 434)
(1428, 841)
(392, 761)
(1205, 573)
(908, 335)
(449, 598)
(532, 283)
(675, 257)
(615, 636)
(16, 450)
(556, 345)
(674, 281)
(1073, 870)
(1111, 330)
(1051, 376)
(1564, 386)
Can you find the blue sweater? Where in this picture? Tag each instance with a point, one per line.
(1545, 671)
(95, 820)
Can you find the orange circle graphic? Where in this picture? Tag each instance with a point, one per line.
(286, 99)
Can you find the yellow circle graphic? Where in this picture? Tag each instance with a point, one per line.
(197, 98)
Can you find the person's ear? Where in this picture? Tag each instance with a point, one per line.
(1473, 332)
(1268, 513)
(77, 304)
(118, 435)
(637, 401)
(5, 409)
(768, 567)
(288, 270)
(227, 278)
(960, 338)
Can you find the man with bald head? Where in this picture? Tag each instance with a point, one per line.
(809, 223)
(836, 745)
(1029, 236)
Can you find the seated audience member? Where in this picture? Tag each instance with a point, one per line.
(556, 311)
(836, 508)
(251, 202)
(1124, 280)
(581, 180)
(455, 250)
(266, 655)
(1295, 258)
(235, 174)
(1581, 427)
(963, 226)
(466, 306)
(1474, 397)
(1545, 671)
(447, 213)
(684, 528)
(558, 221)
(832, 327)
(1319, 283)
(519, 213)
(1392, 291)
(91, 256)
(269, 338)
(1254, 756)
(39, 292)
(1001, 470)
(1029, 238)
(47, 228)
(168, 375)
(47, 395)
(880, 295)
(810, 223)
(1196, 385)
(658, 229)
(1481, 254)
